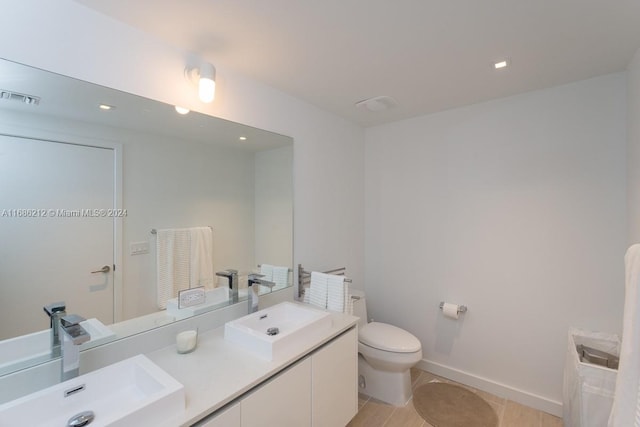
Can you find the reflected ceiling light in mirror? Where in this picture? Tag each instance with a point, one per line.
(182, 110)
(106, 107)
(205, 76)
(243, 138)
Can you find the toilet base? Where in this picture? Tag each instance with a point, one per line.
(389, 387)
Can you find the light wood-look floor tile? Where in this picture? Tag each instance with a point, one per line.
(547, 420)
(373, 413)
(405, 416)
(362, 399)
(517, 415)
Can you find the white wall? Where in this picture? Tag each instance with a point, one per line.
(67, 38)
(633, 148)
(514, 207)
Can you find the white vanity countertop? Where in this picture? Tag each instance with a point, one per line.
(218, 371)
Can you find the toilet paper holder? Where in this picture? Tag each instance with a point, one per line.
(461, 308)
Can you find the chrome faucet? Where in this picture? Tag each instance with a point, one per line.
(254, 294)
(55, 311)
(232, 275)
(72, 336)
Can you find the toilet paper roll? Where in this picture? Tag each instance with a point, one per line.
(450, 310)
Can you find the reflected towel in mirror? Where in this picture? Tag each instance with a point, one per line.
(267, 272)
(183, 260)
(281, 276)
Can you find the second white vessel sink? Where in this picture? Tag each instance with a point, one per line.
(275, 332)
(133, 392)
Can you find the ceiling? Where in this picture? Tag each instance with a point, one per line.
(429, 55)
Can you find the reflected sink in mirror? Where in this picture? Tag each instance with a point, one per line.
(27, 350)
(276, 332)
(132, 392)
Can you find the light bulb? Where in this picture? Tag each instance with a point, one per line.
(206, 89)
(207, 82)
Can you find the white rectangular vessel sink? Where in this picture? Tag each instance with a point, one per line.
(276, 332)
(31, 349)
(133, 392)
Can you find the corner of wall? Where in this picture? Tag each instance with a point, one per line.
(633, 149)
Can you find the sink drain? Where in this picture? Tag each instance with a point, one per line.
(273, 331)
(82, 419)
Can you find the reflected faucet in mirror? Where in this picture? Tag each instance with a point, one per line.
(72, 336)
(232, 276)
(254, 294)
(55, 311)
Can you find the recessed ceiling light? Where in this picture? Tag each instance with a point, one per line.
(182, 110)
(501, 64)
(243, 138)
(106, 107)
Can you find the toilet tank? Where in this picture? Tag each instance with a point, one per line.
(360, 307)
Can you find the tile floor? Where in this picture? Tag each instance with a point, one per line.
(373, 413)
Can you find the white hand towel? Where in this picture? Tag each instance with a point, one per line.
(280, 276)
(173, 265)
(318, 289)
(201, 257)
(626, 404)
(335, 293)
(267, 271)
(348, 301)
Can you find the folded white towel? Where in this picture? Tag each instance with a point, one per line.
(318, 289)
(280, 276)
(348, 301)
(335, 293)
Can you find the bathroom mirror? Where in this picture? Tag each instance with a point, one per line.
(84, 188)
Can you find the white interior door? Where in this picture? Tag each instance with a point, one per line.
(57, 207)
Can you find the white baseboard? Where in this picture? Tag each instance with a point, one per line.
(501, 390)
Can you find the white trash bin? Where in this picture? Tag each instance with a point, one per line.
(588, 388)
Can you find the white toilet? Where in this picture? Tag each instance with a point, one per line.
(386, 354)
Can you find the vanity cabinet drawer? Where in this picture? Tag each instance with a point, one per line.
(229, 417)
(284, 401)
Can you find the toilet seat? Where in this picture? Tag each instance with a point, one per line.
(385, 337)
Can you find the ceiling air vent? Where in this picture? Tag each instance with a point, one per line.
(379, 103)
(20, 97)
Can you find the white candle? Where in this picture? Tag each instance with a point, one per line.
(186, 341)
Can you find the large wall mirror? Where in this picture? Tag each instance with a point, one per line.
(86, 192)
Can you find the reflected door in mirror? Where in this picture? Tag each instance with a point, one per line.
(56, 230)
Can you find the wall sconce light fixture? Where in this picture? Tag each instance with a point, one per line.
(205, 76)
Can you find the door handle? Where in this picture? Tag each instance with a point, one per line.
(104, 269)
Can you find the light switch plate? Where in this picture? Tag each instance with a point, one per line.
(138, 248)
(190, 297)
